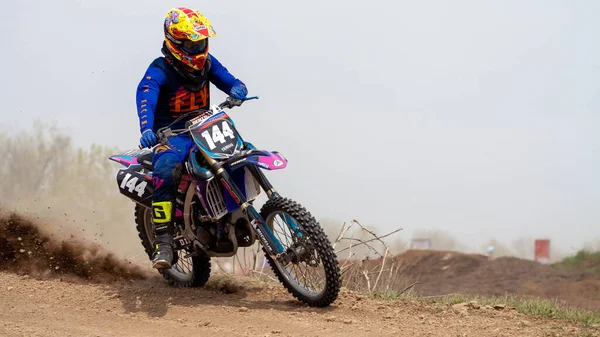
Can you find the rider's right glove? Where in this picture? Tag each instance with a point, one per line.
(148, 139)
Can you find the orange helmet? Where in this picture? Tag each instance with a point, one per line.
(186, 36)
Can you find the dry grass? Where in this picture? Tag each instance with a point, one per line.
(584, 258)
(542, 308)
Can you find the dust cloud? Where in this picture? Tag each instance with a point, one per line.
(69, 192)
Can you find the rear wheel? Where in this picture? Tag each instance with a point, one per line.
(311, 271)
(192, 271)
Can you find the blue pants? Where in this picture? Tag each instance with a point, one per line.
(167, 165)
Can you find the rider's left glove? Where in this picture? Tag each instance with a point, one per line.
(239, 91)
(148, 139)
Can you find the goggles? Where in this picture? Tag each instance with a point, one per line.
(194, 47)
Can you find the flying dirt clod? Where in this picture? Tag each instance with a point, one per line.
(26, 249)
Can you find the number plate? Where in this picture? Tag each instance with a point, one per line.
(135, 186)
(217, 137)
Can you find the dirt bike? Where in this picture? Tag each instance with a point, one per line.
(214, 214)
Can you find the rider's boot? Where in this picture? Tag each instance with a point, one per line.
(162, 226)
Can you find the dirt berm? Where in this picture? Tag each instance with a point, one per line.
(445, 272)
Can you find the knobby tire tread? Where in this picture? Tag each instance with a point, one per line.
(322, 245)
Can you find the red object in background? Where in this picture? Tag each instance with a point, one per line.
(542, 251)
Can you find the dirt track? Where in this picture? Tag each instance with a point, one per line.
(150, 307)
(51, 288)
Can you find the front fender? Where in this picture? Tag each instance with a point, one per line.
(270, 160)
(274, 161)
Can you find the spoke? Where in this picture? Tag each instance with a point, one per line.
(295, 275)
(303, 276)
(286, 237)
(183, 265)
(285, 232)
(307, 277)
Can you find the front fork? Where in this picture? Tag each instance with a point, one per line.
(271, 193)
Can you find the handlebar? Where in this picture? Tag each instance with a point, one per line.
(165, 132)
(231, 102)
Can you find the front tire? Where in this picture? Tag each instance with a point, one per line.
(187, 272)
(315, 244)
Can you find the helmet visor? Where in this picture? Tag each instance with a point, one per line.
(194, 47)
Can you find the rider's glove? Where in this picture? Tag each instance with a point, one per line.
(239, 91)
(148, 139)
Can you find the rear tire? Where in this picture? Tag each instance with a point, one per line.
(319, 243)
(200, 265)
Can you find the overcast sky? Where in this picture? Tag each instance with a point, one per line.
(480, 118)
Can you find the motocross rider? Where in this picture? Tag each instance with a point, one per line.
(172, 85)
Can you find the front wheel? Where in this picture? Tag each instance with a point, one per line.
(309, 269)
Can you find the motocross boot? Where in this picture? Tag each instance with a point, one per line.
(162, 226)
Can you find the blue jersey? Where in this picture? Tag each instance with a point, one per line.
(161, 96)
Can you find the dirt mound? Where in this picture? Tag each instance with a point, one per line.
(445, 272)
(27, 249)
(448, 264)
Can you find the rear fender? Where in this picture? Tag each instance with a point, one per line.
(130, 157)
(124, 160)
(135, 185)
